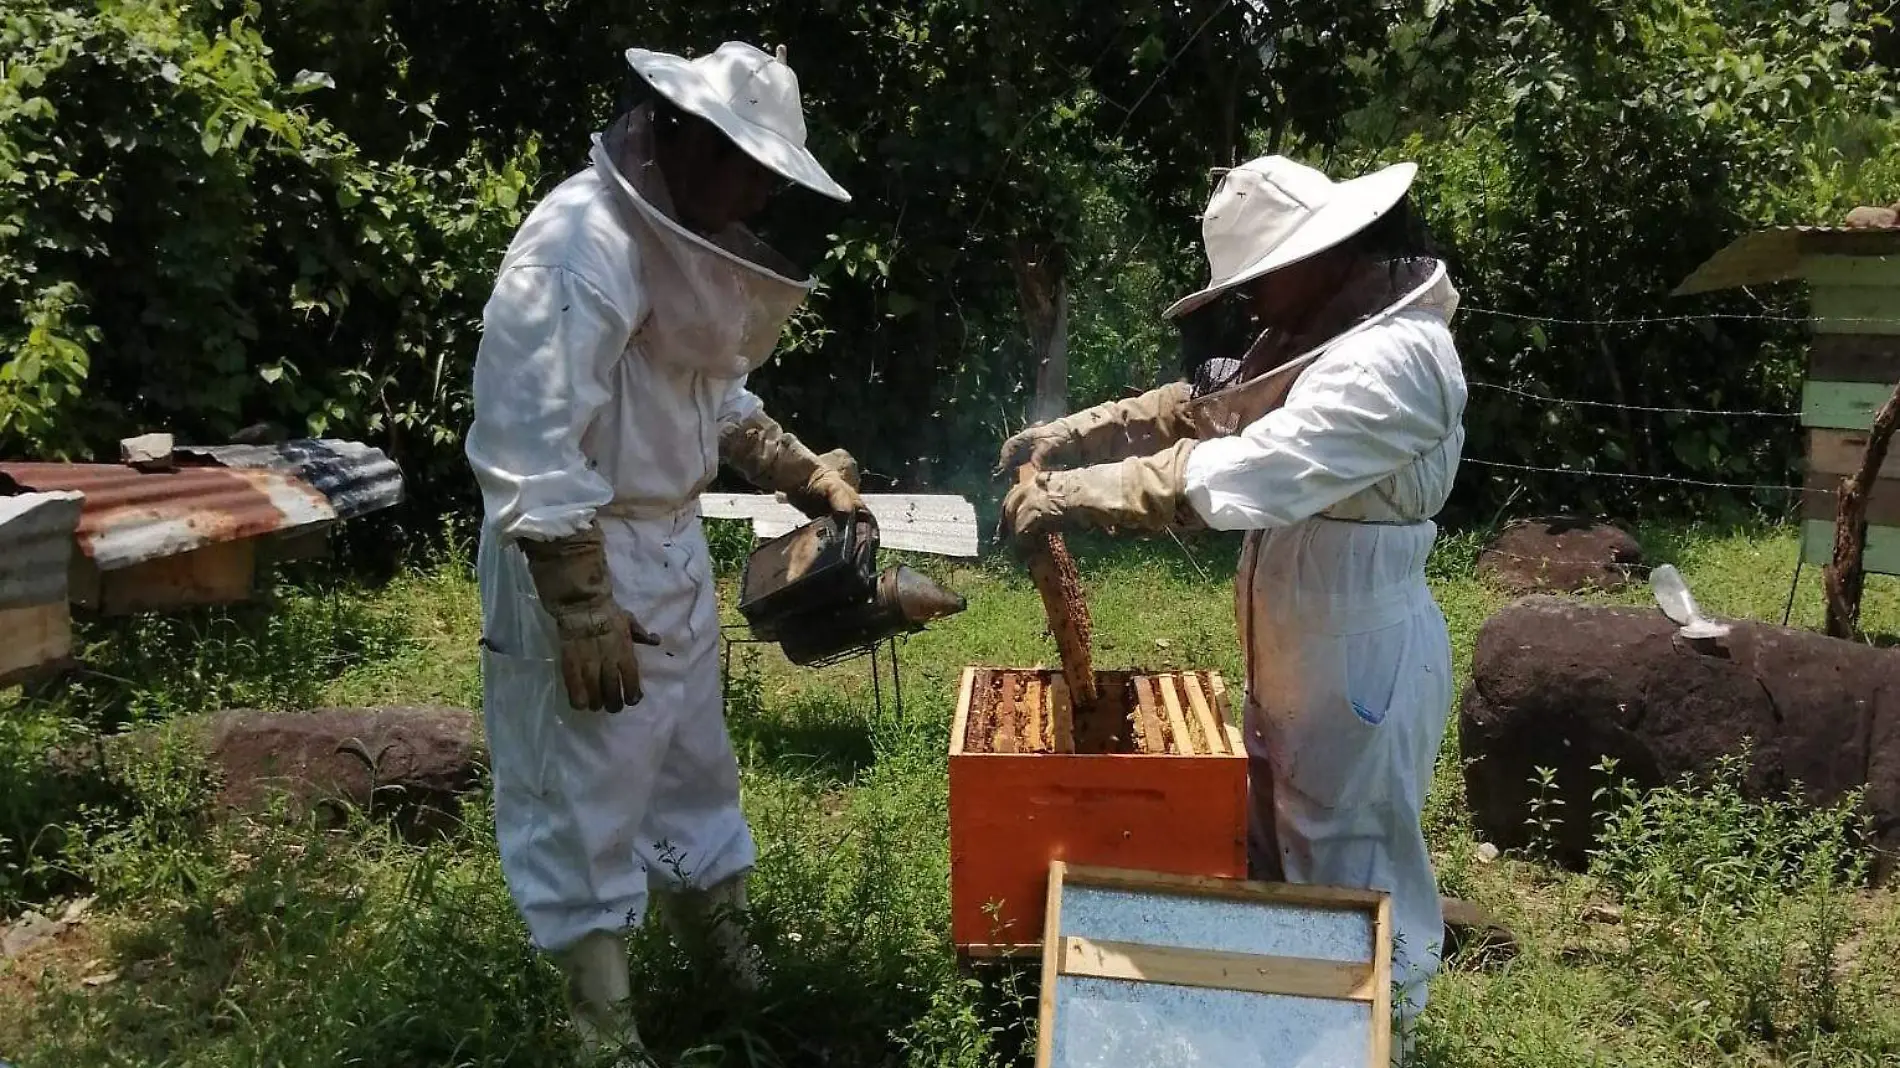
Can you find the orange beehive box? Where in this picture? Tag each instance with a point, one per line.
(1156, 780)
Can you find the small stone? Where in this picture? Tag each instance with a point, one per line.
(1487, 853)
(1873, 218)
(148, 452)
(77, 910)
(1475, 933)
(1163, 643)
(1606, 914)
(31, 930)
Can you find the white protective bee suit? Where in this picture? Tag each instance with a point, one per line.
(1334, 460)
(1348, 658)
(615, 353)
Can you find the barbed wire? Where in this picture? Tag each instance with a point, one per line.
(1579, 403)
(1632, 476)
(1693, 317)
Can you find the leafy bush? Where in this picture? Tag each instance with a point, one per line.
(216, 212)
(192, 250)
(1609, 151)
(1741, 906)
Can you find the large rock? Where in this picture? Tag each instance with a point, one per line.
(410, 765)
(1561, 685)
(1561, 556)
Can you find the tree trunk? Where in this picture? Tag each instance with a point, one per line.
(1844, 577)
(1043, 290)
(1051, 399)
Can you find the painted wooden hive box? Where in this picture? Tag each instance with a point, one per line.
(1153, 778)
(1853, 279)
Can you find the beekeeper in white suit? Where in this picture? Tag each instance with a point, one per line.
(1325, 418)
(610, 383)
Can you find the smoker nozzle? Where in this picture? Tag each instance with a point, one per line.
(914, 597)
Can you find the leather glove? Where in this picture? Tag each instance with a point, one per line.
(772, 459)
(598, 663)
(1142, 492)
(1117, 430)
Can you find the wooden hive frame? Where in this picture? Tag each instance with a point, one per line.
(1174, 713)
(1368, 982)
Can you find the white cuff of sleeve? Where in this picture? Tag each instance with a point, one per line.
(1206, 462)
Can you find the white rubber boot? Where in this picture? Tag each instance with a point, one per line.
(716, 913)
(598, 989)
(726, 900)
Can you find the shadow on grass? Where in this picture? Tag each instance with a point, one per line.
(295, 949)
(812, 734)
(280, 654)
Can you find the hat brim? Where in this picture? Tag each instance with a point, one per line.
(675, 79)
(1356, 204)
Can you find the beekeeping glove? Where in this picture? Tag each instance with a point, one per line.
(1137, 426)
(772, 459)
(1141, 492)
(597, 636)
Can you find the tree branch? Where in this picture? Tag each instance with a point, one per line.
(1845, 578)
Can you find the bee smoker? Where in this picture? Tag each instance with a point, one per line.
(817, 593)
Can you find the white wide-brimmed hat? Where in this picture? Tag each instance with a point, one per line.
(752, 97)
(1272, 212)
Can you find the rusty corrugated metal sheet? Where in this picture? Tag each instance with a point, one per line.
(132, 516)
(355, 478)
(36, 547)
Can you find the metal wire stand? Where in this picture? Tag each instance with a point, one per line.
(740, 634)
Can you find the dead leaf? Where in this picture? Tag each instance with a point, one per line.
(96, 981)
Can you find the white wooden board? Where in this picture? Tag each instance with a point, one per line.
(937, 523)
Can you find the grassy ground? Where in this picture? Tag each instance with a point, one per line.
(1714, 932)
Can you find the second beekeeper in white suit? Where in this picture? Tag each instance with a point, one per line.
(610, 384)
(1325, 418)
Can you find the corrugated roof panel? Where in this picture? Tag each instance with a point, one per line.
(1774, 255)
(936, 523)
(355, 478)
(132, 516)
(36, 547)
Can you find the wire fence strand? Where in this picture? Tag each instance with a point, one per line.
(1693, 317)
(1632, 476)
(1574, 402)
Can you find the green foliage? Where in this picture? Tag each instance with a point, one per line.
(193, 250)
(1743, 908)
(1609, 150)
(215, 212)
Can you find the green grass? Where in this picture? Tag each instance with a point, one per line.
(265, 943)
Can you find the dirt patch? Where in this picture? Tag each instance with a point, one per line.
(69, 958)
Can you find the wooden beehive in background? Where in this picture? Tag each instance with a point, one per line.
(1157, 782)
(1853, 363)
